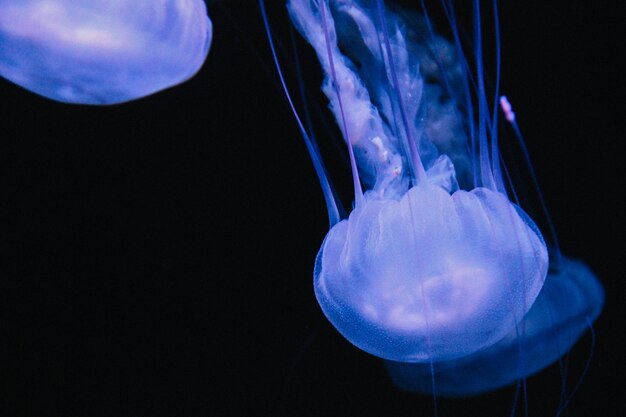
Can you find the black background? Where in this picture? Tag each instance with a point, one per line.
(156, 257)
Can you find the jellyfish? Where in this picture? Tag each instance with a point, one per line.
(437, 269)
(102, 51)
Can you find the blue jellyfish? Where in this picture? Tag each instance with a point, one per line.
(102, 51)
(437, 269)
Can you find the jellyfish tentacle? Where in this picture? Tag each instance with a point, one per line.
(358, 191)
(416, 162)
(509, 114)
(320, 170)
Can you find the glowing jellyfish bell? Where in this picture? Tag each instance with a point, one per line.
(435, 265)
(102, 51)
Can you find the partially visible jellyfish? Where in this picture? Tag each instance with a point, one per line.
(570, 300)
(437, 269)
(102, 51)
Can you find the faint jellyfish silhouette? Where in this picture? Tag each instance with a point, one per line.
(102, 51)
(435, 269)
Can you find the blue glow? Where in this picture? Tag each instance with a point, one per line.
(436, 268)
(102, 51)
